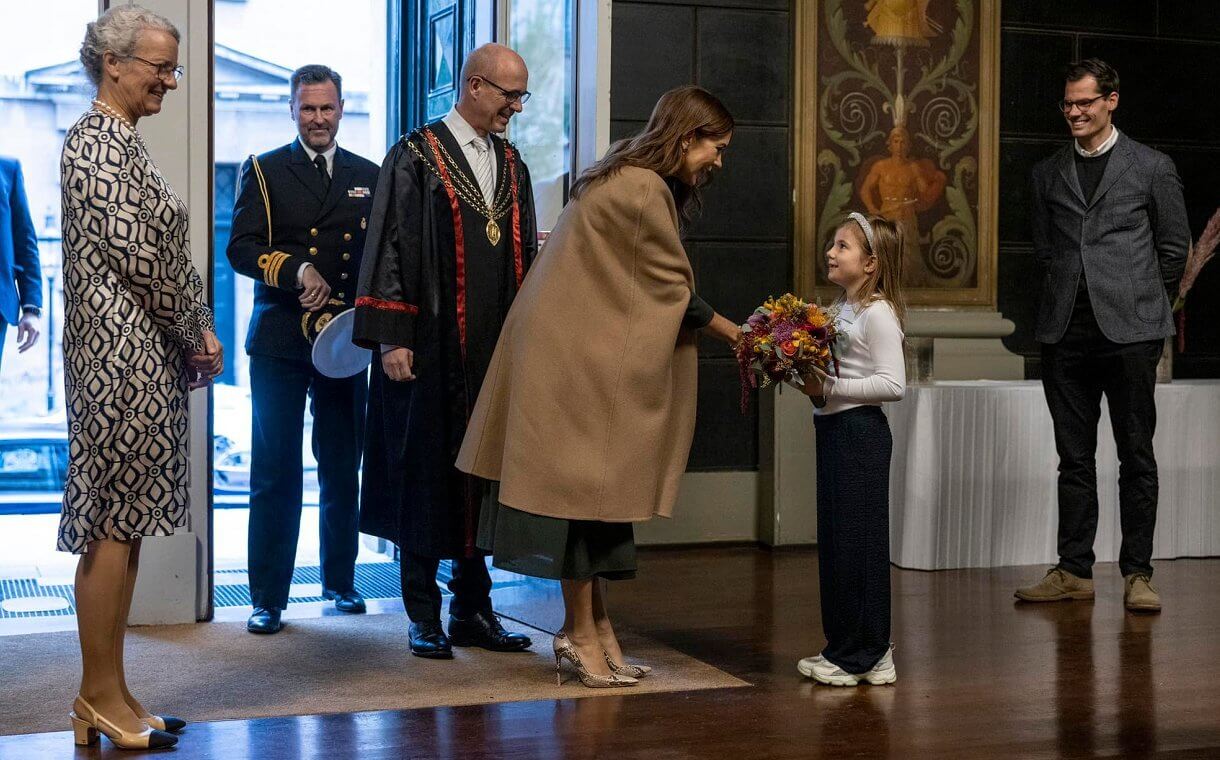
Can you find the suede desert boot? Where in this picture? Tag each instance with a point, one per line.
(1058, 585)
(1139, 595)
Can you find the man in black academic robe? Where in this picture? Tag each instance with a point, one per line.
(451, 235)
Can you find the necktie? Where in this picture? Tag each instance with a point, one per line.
(483, 169)
(320, 162)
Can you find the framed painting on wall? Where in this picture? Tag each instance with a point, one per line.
(897, 114)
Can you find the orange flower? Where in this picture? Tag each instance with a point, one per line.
(816, 316)
(788, 347)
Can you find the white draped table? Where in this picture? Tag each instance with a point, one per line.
(973, 479)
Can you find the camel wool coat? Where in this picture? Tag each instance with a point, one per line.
(588, 408)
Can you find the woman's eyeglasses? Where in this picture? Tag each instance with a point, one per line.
(164, 70)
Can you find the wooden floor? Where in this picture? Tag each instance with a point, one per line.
(979, 677)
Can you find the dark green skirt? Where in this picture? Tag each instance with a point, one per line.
(552, 547)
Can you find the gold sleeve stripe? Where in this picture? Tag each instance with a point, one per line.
(263, 262)
(262, 187)
(270, 263)
(279, 263)
(273, 271)
(271, 275)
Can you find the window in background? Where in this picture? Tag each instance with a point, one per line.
(43, 91)
(258, 45)
(542, 31)
(437, 35)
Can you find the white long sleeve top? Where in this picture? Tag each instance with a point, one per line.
(871, 364)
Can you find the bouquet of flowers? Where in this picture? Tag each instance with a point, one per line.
(784, 339)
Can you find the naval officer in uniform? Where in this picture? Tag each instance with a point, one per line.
(298, 230)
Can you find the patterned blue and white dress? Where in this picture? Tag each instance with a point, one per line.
(134, 309)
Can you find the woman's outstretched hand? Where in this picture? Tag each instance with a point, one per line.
(725, 329)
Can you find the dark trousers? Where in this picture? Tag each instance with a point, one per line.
(1076, 372)
(853, 455)
(279, 388)
(470, 585)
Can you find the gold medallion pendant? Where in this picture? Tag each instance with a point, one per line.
(493, 232)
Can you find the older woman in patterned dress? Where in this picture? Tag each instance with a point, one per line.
(137, 338)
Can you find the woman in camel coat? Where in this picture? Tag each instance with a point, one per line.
(585, 418)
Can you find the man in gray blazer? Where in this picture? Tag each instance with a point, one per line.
(1111, 232)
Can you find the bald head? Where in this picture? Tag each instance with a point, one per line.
(491, 61)
(494, 78)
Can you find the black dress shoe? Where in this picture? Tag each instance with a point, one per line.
(265, 620)
(346, 601)
(429, 640)
(483, 629)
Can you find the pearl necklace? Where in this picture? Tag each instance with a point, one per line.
(110, 110)
(104, 107)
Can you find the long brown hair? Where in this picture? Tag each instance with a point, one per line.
(885, 282)
(680, 112)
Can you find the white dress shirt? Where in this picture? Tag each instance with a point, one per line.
(1105, 146)
(466, 137)
(329, 155)
(872, 368)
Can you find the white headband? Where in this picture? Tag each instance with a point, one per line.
(862, 220)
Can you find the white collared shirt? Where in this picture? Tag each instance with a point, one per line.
(1105, 146)
(466, 137)
(329, 155)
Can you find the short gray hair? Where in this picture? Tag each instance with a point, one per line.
(315, 73)
(118, 30)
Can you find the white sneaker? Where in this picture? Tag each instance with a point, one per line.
(805, 666)
(824, 671)
(884, 671)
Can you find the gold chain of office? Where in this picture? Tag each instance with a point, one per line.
(468, 190)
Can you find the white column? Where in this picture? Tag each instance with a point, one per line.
(173, 581)
(592, 118)
(960, 345)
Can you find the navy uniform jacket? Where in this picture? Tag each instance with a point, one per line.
(326, 230)
(20, 277)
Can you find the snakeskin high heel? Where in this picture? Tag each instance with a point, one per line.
(626, 669)
(565, 651)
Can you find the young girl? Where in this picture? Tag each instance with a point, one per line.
(853, 455)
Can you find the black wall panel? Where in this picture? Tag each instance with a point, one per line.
(652, 50)
(748, 53)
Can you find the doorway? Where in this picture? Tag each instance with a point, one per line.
(251, 95)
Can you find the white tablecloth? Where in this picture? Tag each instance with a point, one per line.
(973, 479)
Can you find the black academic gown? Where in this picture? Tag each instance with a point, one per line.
(419, 289)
